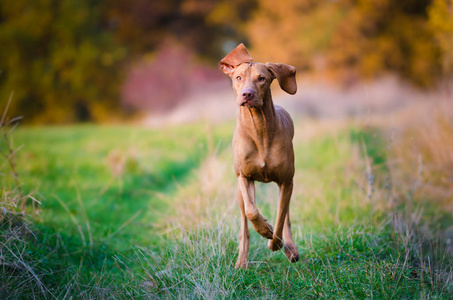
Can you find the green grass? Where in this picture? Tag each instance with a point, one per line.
(134, 212)
(342, 264)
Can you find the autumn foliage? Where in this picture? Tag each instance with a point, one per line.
(67, 60)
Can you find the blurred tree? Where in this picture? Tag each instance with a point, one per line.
(369, 37)
(294, 32)
(441, 23)
(230, 16)
(144, 25)
(60, 58)
(377, 36)
(66, 59)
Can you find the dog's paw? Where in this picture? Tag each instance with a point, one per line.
(264, 228)
(291, 252)
(241, 264)
(265, 231)
(275, 244)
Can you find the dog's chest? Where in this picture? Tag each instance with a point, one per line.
(260, 163)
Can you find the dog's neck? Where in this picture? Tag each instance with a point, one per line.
(258, 123)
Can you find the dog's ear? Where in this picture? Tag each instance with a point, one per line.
(286, 76)
(236, 57)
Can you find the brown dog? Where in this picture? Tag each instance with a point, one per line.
(262, 145)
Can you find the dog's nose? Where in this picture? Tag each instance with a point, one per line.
(247, 94)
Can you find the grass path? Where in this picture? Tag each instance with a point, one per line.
(101, 187)
(107, 174)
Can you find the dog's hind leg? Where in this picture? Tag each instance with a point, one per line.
(244, 237)
(290, 248)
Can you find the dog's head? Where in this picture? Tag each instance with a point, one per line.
(251, 81)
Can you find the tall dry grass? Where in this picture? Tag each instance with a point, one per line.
(422, 145)
(435, 146)
(419, 183)
(13, 201)
(19, 269)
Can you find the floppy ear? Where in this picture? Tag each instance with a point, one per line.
(236, 57)
(286, 76)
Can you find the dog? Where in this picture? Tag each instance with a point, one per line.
(262, 147)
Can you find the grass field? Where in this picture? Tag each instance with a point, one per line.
(151, 213)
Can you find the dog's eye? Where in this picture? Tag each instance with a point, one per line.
(239, 78)
(261, 78)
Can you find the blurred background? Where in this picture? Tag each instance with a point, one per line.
(111, 60)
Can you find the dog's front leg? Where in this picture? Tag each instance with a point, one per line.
(286, 189)
(247, 189)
